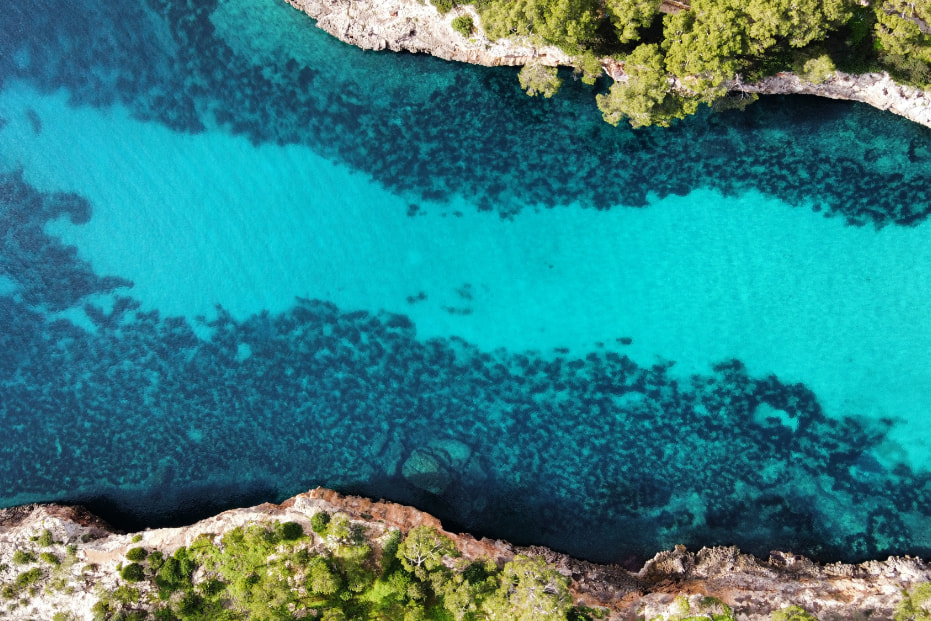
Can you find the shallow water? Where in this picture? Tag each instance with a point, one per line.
(240, 256)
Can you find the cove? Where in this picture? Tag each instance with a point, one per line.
(604, 331)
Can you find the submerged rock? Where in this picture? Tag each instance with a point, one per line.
(434, 467)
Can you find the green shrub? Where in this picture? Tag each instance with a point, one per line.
(319, 522)
(136, 554)
(50, 558)
(7, 591)
(443, 6)
(125, 595)
(28, 578)
(133, 573)
(463, 25)
(45, 539)
(915, 606)
(62, 616)
(301, 557)
(321, 578)
(21, 557)
(289, 531)
(589, 66)
(793, 613)
(72, 550)
(137, 538)
(156, 559)
(175, 573)
(537, 79)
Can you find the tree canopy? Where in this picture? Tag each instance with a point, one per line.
(646, 98)
(675, 60)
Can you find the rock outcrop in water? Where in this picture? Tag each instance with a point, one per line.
(752, 587)
(412, 26)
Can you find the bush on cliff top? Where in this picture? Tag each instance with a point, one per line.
(463, 25)
(915, 606)
(443, 6)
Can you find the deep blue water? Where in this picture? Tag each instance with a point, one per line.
(239, 259)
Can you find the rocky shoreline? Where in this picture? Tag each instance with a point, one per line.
(417, 27)
(754, 588)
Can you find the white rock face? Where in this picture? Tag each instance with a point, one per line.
(875, 89)
(412, 26)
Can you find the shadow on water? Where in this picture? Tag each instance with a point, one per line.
(171, 506)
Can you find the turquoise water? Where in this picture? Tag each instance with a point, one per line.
(240, 259)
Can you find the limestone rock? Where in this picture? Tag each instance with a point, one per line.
(876, 89)
(412, 26)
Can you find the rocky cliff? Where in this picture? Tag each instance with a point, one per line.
(412, 26)
(752, 587)
(875, 89)
(416, 26)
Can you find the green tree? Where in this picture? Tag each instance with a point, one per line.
(340, 530)
(794, 22)
(647, 98)
(897, 27)
(466, 591)
(321, 578)
(537, 79)
(530, 591)
(569, 24)
(629, 16)
(45, 539)
(704, 47)
(133, 573)
(463, 25)
(718, 39)
(423, 549)
(319, 522)
(815, 67)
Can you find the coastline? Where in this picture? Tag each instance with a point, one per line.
(753, 587)
(417, 27)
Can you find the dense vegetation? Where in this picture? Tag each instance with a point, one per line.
(348, 570)
(682, 58)
(277, 572)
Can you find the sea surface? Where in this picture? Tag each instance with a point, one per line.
(239, 259)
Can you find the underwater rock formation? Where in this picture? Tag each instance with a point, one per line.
(753, 587)
(435, 466)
